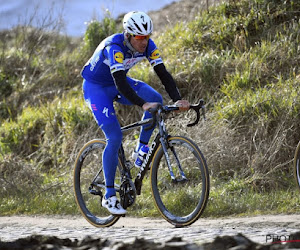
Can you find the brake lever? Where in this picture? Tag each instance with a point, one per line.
(196, 108)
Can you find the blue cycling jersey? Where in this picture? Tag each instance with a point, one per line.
(113, 55)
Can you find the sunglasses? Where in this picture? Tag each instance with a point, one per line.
(137, 37)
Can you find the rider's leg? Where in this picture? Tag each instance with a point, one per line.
(148, 94)
(100, 101)
(113, 136)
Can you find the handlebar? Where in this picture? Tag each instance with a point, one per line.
(170, 108)
(196, 108)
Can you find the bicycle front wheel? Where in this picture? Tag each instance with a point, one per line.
(297, 165)
(181, 199)
(89, 184)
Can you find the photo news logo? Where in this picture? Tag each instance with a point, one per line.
(280, 238)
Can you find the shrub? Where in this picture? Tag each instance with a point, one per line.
(97, 31)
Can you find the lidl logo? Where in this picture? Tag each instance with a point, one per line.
(155, 54)
(119, 57)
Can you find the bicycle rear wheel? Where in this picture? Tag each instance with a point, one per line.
(180, 201)
(89, 184)
(297, 165)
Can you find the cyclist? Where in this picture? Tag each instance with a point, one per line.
(105, 81)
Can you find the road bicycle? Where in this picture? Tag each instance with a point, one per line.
(179, 174)
(297, 165)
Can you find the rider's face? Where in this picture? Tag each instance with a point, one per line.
(139, 43)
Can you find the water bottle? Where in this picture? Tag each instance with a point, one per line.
(141, 156)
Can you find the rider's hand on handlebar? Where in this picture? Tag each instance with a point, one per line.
(148, 105)
(183, 105)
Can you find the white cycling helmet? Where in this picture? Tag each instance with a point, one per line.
(137, 23)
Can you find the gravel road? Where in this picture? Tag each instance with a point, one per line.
(259, 229)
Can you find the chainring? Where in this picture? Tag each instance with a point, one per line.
(127, 193)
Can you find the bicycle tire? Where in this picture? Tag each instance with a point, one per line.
(87, 165)
(181, 203)
(297, 165)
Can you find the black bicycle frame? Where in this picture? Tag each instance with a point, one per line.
(160, 138)
(146, 164)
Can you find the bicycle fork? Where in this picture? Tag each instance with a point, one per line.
(165, 145)
(169, 164)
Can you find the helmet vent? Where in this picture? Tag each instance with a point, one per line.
(135, 24)
(145, 26)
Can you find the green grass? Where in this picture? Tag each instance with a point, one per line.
(236, 198)
(233, 198)
(52, 204)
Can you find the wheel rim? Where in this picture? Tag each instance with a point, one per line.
(182, 202)
(87, 166)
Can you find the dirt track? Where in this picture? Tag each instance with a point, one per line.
(127, 229)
